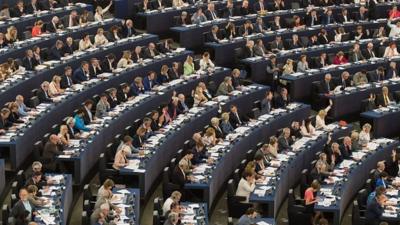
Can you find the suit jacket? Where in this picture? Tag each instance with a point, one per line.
(43, 96)
(148, 85)
(69, 49)
(29, 63)
(266, 106)
(173, 75)
(247, 52)
(235, 121)
(284, 144)
(210, 37)
(101, 109)
(324, 88)
(374, 77)
(367, 54)
(15, 12)
(66, 82)
(293, 45)
(341, 19)
(259, 50)
(324, 40)
(344, 83)
(56, 54)
(258, 28)
(94, 74)
(147, 53)
(346, 151)
(224, 89)
(137, 141)
(50, 151)
(355, 56)
(86, 116)
(135, 90)
(52, 28)
(360, 17)
(107, 68)
(5, 124)
(209, 15)
(257, 7)
(308, 19)
(19, 209)
(280, 102)
(391, 72)
(381, 101)
(328, 20)
(242, 31)
(113, 101)
(79, 76)
(178, 177)
(123, 97)
(276, 45)
(96, 216)
(30, 10)
(128, 32)
(229, 12)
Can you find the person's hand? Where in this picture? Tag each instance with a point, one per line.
(118, 210)
(330, 102)
(394, 153)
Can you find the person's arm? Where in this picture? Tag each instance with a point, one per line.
(389, 23)
(107, 8)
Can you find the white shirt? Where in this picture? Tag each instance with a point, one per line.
(205, 65)
(83, 45)
(363, 138)
(167, 205)
(100, 40)
(394, 31)
(319, 122)
(244, 189)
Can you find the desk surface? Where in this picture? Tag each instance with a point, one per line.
(60, 195)
(231, 155)
(49, 40)
(345, 189)
(37, 128)
(174, 141)
(382, 121)
(291, 165)
(129, 200)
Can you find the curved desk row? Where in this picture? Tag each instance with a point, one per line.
(300, 87)
(335, 198)
(258, 65)
(192, 36)
(159, 22)
(232, 152)
(49, 40)
(348, 103)
(21, 23)
(129, 200)
(288, 173)
(60, 196)
(382, 121)
(224, 53)
(32, 80)
(164, 150)
(21, 146)
(90, 150)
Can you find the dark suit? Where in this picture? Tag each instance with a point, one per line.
(30, 9)
(52, 28)
(276, 45)
(107, 66)
(93, 73)
(43, 96)
(280, 102)
(328, 19)
(178, 177)
(29, 63)
(209, 15)
(284, 144)
(247, 52)
(375, 77)
(55, 53)
(128, 32)
(369, 54)
(242, 31)
(79, 76)
(137, 141)
(86, 117)
(113, 101)
(325, 88)
(346, 151)
(236, 120)
(374, 213)
(148, 55)
(19, 209)
(343, 83)
(148, 84)
(323, 40)
(123, 97)
(173, 74)
(210, 37)
(381, 101)
(229, 12)
(136, 91)
(5, 124)
(218, 132)
(309, 20)
(361, 17)
(341, 18)
(391, 73)
(50, 151)
(293, 45)
(15, 12)
(69, 49)
(66, 82)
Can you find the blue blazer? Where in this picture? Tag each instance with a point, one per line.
(135, 90)
(381, 182)
(79, 76)
(146, 84)
(80, 124)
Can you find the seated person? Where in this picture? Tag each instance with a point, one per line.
(214, 35)
(226, 87)
(151, 51)
(205, 62)
(246, 186)
(285, 140)
(360, 78)
(198, 17)
(385, 98)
